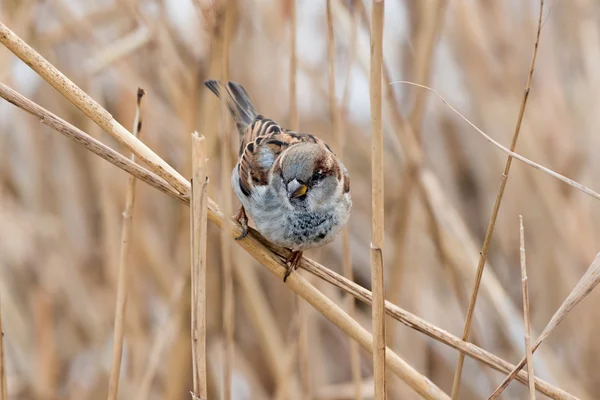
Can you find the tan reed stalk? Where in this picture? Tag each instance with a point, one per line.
(90, 107)
(293, 67)
(198, 237)
(91, 144)
(377, 210)
(526, 317)
(340, 141)
(226, 248)
(260, 248)
(119, 50)
(493, 217)
(122, 285)
(3, 382)
(586, 284)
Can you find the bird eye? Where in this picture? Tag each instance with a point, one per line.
(317, 176)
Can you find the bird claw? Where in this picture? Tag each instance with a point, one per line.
(294, 261)
(242, 219)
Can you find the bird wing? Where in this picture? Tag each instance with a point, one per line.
(263, 141)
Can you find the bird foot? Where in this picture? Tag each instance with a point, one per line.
(294, 261)
(242, 219)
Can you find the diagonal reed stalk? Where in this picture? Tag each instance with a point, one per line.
(198, 214)
(340, 139)
(527, 319)
(586, 284)
(492, 222)
(123, 277)
(377, 200)
(215, 215)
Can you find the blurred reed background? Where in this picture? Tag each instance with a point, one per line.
(60, 206)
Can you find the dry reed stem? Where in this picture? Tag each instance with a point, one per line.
(293, 68)
(547, 171)
(90, 107)
(526, 317)
(91, 144)
(122, 284)
(586, 284)
(3, 383)
(357, 291)
(226, 248)
(377, 200)
(198, 237)
(492, 222)
(340, 139)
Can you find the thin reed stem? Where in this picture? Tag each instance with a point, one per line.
(226, 248)
(198, 237)
(123, 275)
(377, 199)
(492, 222)
(584, 287)
(526, 317)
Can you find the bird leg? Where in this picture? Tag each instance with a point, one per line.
(294, 261)
(242, 219)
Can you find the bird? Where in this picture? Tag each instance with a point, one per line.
(291, 184)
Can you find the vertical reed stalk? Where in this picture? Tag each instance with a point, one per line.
(340, 141)
(123, 275)
(492, 222)
(226, 249)
(199, 218)
(377, 200)
(529, 354)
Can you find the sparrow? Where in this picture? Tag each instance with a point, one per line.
(291, 184)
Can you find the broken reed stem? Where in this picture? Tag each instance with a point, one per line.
(215, 215)
(526, 316)
(336, 122)
(377, 211)
(198, 213)
(90, 107)
(586, 284)
(3, 382)
(123, 275)
(226, 248)
(91, 144)
(492, 222)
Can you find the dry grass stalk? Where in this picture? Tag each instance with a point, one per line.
(122, 285)
(226, 248)
(539, 167)
(526, 317)
(198, 226)
(90, 107)
(359, 292)
(492, 222)
(340, 141)
(91, 144)
(3, 382)
(377, 200)
(118, 50)
(586, 284)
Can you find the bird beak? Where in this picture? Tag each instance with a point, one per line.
(295, 189)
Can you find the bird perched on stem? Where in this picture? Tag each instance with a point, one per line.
(291, 184)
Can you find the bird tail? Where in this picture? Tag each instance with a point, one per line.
(238, 102)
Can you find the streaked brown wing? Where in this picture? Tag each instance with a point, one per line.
(261, 144)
